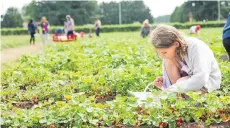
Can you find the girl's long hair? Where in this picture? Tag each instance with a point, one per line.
(163, 36)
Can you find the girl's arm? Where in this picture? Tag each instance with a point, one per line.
(201, 67)
(48, 26)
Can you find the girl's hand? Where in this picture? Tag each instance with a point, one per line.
(158, 82)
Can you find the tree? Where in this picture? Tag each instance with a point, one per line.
(12, 18)
(131, 11)
(81, 11)
(201, 10)
(162, 19)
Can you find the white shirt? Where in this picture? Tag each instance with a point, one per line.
(192, 29)
(203, 69)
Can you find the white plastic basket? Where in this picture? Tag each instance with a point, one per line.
(141, 96)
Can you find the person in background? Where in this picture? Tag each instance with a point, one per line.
(45, 30)
(145, 29)
(97, 25)
(226, 36)
(69, 25)
(188, 63)
(195, 29)
(32, 30)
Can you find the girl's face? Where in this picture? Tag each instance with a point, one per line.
(168, 53)
(43, 20)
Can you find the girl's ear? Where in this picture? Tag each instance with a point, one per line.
(177, 44)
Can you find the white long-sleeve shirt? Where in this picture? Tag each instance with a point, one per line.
(202, 69)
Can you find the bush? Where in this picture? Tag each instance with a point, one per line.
(114, 28)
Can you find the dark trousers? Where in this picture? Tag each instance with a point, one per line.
(32, 38)
(70, 32)
(226, 43)
(98, 31)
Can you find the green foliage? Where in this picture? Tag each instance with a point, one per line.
(202, 10)
(100, 67)
(162, 19)
(12, 19)
(85, 12)
(131, 11)
(81, 11)
(17, 41)
(115, 28)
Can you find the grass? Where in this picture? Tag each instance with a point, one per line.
(17, 41)
(44, 89)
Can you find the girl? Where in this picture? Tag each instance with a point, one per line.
(97, 25)
(32, 29)
(188, 63)
(45, 30)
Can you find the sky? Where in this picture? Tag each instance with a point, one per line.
(157, 7)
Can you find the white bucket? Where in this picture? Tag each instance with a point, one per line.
(141, 96)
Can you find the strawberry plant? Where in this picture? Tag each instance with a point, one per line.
(86, 84)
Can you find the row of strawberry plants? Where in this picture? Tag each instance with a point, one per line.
(44, 89)
(81, 110)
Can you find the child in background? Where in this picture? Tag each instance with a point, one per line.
(195, 29)
(45, 31)
(145, 29)
(32, 30)
(97, 25)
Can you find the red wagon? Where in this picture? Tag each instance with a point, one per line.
(60, 36)
(64, 38)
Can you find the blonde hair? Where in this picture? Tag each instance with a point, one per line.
(146, 22)
(98, 22)
(68, 17)
(43, 18)
(163, 36)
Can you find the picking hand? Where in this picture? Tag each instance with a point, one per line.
(158, 82)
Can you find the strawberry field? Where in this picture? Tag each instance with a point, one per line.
(86, 83)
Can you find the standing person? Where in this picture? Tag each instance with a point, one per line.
(69, 25)
(32, 29)
(145, 29)
(226, 36)
(45, 30)
(97, 25)
(188, 63)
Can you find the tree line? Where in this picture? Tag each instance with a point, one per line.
(201, 11)
(85, 12)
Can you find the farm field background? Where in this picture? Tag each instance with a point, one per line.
(85, 84)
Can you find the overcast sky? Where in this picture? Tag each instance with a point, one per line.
(157, 7)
